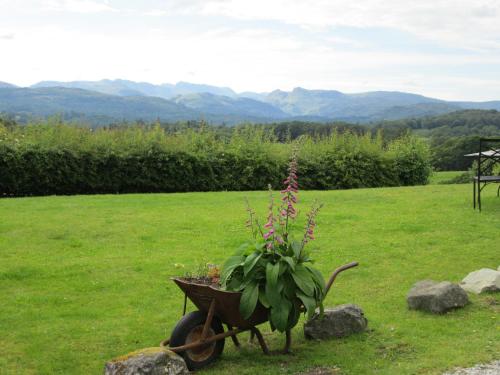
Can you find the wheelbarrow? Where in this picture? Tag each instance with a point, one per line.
(199, 336)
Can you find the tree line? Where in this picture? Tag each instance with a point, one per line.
(449, 136)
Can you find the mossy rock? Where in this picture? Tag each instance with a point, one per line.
(147, 361)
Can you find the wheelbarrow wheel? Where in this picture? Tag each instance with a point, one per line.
(188, 330)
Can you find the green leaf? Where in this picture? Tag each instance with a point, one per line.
(272, 289)
(259, 245)
(309, 304)
(263, 298)
(290, 262)
(242, 250)
(303, 279)
(234, 283)
(250, 262)
(234, 261)
(318, 278)
(304, 257)
(249, 300)
(296, 247)
(231, 264)
(289, 286)
(252, 276)
(279, 315)
(272, 272)
(294, 315)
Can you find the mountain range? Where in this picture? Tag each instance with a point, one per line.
(129, 88)
(105, 101)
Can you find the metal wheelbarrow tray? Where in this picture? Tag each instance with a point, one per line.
(199, 336)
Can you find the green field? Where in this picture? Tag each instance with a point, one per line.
(86, 278)
(439, 177)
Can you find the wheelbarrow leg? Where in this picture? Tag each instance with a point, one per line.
(208, 322)
(233, 337)
(288, 342)
(252, 336)
(185, 304)
(262, 343)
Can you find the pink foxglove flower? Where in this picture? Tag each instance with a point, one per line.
(310, 224)
(276, 237)
(270, 217)
(268, 234)
(289, 198)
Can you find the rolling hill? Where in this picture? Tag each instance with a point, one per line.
(42, 102)
(224, 105)
(335, 104)
(99, 109)
(115, 100)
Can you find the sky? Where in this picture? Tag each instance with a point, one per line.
(448, 49)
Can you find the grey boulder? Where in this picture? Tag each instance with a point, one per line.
(341, 321)
(483, 280)
(436, 297)
(149, 361)
(492, 368)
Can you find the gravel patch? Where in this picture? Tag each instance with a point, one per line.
(492, 368)
(321, 371)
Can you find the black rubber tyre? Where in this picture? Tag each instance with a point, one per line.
(189, 329)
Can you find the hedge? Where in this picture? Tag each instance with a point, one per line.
(113, 163)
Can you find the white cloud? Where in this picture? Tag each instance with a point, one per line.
(249, 59)
(472, 23)
(155, 13)
(78, 6)
(7, 36)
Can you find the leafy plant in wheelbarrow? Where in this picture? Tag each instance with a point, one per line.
(270, 278)
(276, 269)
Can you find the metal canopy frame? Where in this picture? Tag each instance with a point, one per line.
(487, 157)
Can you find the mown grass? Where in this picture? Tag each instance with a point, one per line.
(86, 278)
(439, 177)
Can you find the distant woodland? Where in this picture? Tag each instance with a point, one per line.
(449, 136)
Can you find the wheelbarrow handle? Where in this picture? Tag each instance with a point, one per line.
(336, 272)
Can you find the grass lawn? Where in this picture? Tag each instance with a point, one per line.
(86, 278)
(438, 177)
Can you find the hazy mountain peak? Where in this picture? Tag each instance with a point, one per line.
(261, 96)
(6, 84)
(301, 90)
(277, 92)
(123, 87)
(225, 105)
(183, 87)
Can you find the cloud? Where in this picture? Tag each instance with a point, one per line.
(9, 36)
(78, 6)
(255, 59)
(155, 13)
(475, 24)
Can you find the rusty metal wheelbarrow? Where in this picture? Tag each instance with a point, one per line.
(199, 336)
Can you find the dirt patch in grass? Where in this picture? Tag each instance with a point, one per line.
(321, 371)
(393, 351)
